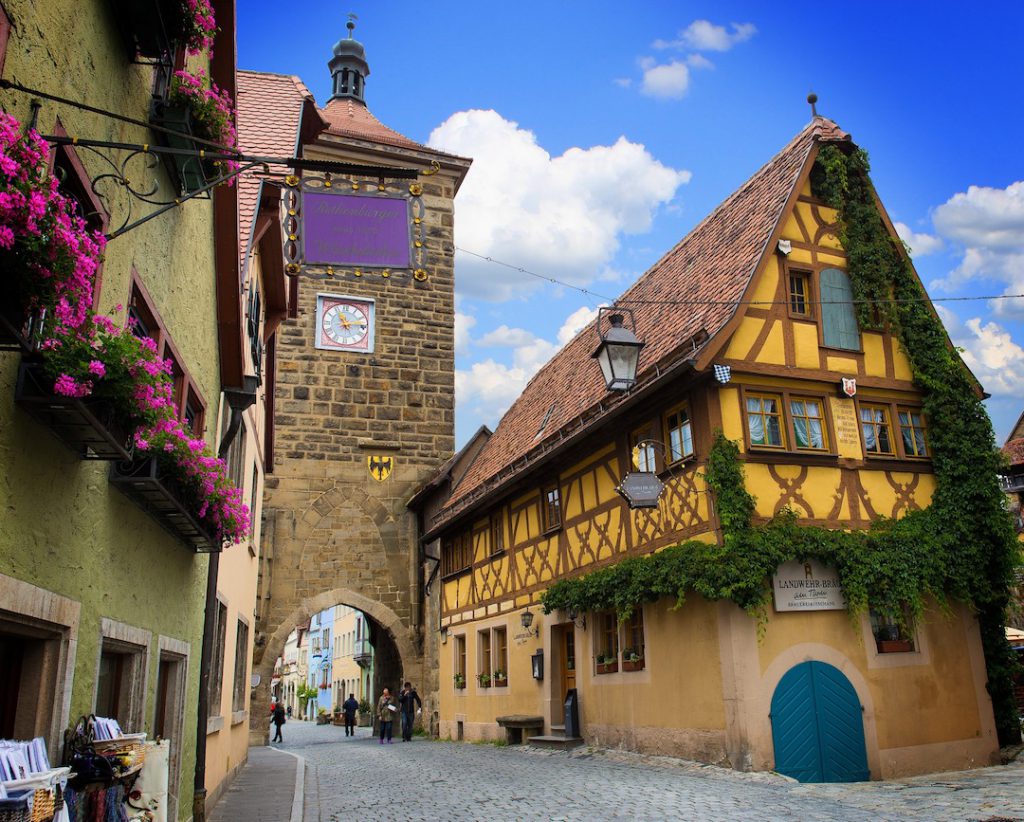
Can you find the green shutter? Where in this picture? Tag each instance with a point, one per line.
(838, 322)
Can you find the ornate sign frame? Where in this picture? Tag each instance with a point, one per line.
(299, 191)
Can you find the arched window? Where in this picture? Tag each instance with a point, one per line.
(838, 321)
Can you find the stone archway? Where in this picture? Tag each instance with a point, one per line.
(393, 641)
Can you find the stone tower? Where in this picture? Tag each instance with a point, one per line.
(364, 385)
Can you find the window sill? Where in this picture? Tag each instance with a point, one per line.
(455, 574)
(839, 352)
(214, 724)
(238, 717)
(890, 462)
(554, 529)
(499, 553)
(759, 454)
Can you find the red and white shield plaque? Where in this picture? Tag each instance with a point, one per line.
(849, 386)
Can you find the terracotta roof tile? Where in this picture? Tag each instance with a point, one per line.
(350, 118)
(715, 261)
(1014, 450)
(269, 108)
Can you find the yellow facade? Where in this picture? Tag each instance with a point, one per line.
(705, 686)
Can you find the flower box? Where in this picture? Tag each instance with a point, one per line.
(148, 27)
(607, 667)
(633, 665)
(460, 685)
(500, 682)
(894, 646)
(485, 683)
(189, 171)
(160, 495)
(364, 721)
(88, 425)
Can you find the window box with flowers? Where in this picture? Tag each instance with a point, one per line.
(484, 680)
(460, 681)
(152, 28)
(499, 679)
(89, 426)
(607, 664)
(632, 661)
(48, 255)
(196, 109)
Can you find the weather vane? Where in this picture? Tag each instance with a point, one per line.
(351, 24)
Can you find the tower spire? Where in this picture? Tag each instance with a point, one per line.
(348, 66)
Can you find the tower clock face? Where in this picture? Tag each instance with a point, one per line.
(344, 323)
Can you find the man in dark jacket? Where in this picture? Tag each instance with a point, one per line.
(350, 706)
(410, 703)
(278, 721)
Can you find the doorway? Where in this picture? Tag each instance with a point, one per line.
(169, 719)
(817, 726)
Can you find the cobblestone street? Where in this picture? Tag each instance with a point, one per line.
(356, 779)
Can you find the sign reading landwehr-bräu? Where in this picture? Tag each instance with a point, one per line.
(807, 586)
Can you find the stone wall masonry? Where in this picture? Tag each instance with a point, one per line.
(336, 528)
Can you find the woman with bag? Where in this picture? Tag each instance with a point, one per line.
(387, 710)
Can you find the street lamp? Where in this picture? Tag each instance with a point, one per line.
(618, 351)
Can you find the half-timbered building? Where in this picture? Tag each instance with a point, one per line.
(749, 329)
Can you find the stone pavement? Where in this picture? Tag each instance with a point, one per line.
(264, 790)
(358, 779)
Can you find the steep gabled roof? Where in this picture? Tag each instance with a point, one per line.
(351, 118)
(270, 108)
(716, 262)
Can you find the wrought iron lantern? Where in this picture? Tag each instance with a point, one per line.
(526, 620)
(619, 349)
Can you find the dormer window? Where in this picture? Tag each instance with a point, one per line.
(544, 422)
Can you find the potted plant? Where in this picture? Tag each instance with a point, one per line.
(499, 679)
(484, 680)
(49, 255)
(363, 720)
(607, 663)
(460, 681)
(322, 717)
(195, 109)
(632, 660)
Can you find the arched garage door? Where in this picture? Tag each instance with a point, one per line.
(817, 726)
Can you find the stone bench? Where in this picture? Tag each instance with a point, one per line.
(515, 724)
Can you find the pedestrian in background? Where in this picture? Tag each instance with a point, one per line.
(386, 710)
(278, 721)
(350, 706)
(411, 704)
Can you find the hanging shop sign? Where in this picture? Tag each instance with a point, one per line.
(807, 586)
(336, 226)
(641, 489)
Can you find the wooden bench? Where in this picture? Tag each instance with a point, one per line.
(515, 724)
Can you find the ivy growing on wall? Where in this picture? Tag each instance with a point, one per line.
(961, 547)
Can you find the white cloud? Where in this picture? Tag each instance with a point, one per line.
(699, 61)
(623, 82)
(486, 389)
(463, 325)
(989, 351)
(989, 224)
(575, 323)
(668, 80)
(703, 35)
(920, 244)
(557, 216)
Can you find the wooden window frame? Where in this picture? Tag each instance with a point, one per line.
(904, 641)
(499, 647)
(675, 409)
(547, 524)
(886, 407)
(762, 395)
(497, 532)
(457, 555)
(220, 627)
(809, 280)
(911, 411)
(630, 629)
(789, 433)
(240, 683)
(892, 408)
(649, 463)
(606, 630)
(186, 390)
(484, 646)
(822, 404)
(459, 654)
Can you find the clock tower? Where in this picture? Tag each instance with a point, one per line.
(363, 373)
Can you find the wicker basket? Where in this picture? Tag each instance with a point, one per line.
(15, 810)
(44, 805)
(133, 747)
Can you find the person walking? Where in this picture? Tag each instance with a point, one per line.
(350, 706)
(278, 721)
(386, 710)
(411, 704)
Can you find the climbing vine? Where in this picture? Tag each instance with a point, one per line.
(961, 547)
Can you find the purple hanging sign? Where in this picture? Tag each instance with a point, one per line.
(355, 230)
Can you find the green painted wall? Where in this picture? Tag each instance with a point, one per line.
(62, 526)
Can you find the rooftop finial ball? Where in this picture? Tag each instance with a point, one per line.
(812, 98)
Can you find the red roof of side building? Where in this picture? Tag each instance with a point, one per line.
(350, 118)
(1014, 450)
(269, 114)
(714, 262)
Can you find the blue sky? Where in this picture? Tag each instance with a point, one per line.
(602, 133)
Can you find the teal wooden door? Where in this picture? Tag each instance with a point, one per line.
(817, 726)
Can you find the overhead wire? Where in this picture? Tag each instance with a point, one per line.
(712, 302)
